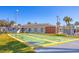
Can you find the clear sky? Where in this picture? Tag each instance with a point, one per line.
(39, 14)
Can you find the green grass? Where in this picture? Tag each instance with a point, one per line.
(10, 45)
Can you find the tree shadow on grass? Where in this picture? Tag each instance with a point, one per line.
(16, 47)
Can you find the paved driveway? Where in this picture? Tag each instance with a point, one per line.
(63, 48)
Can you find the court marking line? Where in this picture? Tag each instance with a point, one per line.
(55, 43)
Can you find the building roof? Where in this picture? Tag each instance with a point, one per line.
(35, 25)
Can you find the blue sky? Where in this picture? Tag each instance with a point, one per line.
(39, 14)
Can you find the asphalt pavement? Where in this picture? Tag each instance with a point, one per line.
(71, 47)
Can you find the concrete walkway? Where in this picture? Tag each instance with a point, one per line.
(63, 48)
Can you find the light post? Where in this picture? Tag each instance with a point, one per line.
(17, 15)
(17, 18)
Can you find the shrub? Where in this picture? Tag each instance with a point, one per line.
(60, 35)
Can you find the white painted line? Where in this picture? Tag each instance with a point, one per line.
(43, 39)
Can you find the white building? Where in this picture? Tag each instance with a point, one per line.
(35, 28)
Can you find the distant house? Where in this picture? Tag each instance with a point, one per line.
(77, 30)
(70, 30)
(9, 29)
(3, 29)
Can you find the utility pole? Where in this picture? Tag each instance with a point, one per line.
(57, 24)
(58, 19)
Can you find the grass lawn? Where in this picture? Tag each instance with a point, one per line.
(10, 45)
(44, 40)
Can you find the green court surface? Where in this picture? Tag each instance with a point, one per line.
(43, 40)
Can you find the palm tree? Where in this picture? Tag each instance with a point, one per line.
(67, 19)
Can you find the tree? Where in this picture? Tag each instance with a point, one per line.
(12, 23)
(4, 23)
(36, 23)
(76, 26)
(76, 23)
(29, 23)
(19, 24)
(67, 19)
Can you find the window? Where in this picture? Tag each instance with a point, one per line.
(29, 30)
(35, 29)
(41, 29)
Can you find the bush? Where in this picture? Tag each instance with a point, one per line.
(60, 35)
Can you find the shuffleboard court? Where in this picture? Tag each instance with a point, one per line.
(30, 39)
(43, 40)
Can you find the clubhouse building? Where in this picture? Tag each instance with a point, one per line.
(39, 28)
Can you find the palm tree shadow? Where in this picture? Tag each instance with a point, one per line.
(16, 47)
